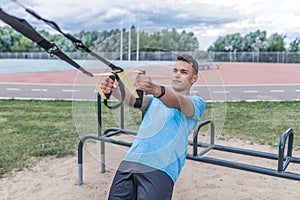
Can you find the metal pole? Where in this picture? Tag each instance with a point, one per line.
(129, 42)
(102, 144)
(138, 40)
(121, 42)
(122, 116)
(121, 58)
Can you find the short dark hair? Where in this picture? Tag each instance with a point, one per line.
(188, 58)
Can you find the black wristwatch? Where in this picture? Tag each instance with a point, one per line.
(163, 91)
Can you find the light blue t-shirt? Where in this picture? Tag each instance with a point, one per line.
(162, 139)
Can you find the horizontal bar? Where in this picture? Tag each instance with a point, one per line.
(105, 139)
(246, 152)
(241, 151)
(116, 131)
(246, 167)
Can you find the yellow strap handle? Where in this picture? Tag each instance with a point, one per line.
(127, 83)
(93, 80)
(125, 80)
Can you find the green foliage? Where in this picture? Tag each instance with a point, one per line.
(108, 41)
(22, 45)
(7, 38)
(256, 41)
(229, 43)
(105, 41)
(295, 45)
(87, 38)
(164, 40)
(171, 40)
(251, 42)
(276, 42)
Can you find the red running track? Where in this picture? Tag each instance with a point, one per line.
(227, 74)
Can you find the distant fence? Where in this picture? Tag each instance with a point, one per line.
(269, 57)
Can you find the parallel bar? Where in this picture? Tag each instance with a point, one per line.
(215, 161)
(243, 151)
(283, 161)
(246, 167)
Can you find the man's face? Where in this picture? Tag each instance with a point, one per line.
(183, 76)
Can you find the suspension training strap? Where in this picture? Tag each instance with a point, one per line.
(120, 74)
(23, 27)
(76, 42)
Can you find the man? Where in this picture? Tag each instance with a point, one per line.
(154, 161)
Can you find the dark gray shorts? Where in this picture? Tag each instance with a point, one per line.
(134, 181)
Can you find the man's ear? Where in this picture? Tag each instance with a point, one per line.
(195, 78)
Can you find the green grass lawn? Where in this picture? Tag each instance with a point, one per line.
(34, 129)
(31, 128)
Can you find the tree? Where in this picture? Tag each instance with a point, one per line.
(22, 45)
(7, 37)
(108, 41)
(188, 41)
(294, 45)
(255, 41)
(276, 42)
(105, 41)
(87, 38)
(228, 43)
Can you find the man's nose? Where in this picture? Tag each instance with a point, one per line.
(177, 74)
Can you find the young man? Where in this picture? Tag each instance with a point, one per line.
(154, 161)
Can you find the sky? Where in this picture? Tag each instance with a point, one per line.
(207, 19)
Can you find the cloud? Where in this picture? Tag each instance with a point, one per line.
(207, 19)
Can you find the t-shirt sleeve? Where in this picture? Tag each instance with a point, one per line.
(199, 106)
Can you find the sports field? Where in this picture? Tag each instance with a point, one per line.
(56, 178)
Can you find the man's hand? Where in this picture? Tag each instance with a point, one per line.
(108, 86)
(143, 82)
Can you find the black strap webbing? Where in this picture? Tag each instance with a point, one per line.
(26, 29)
(76, 42)
(79, 45)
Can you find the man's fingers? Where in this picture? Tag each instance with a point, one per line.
(143, 82)
(108, 85)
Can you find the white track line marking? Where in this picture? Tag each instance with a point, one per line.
(13, 89)
(221, 92)
(276, 91)
(69, 90)
(39, 90)
(250, 91)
